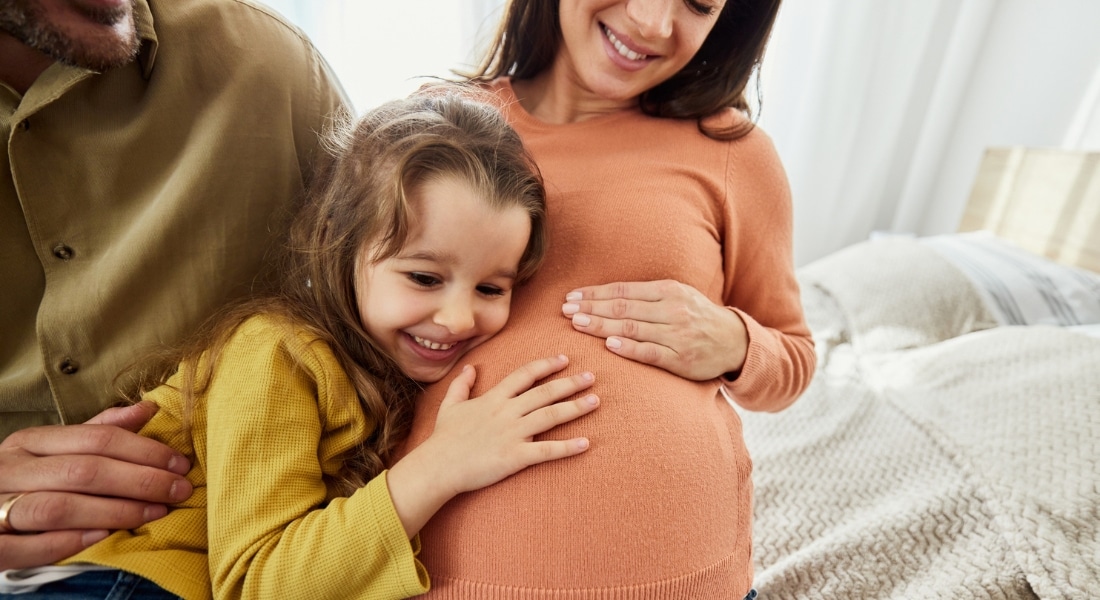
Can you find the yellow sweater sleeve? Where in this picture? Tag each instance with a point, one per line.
(279, 413)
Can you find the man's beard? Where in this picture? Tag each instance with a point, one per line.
(27, 22)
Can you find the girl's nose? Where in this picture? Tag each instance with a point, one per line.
(457, 316)
(653, 18)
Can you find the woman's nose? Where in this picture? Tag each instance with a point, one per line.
(653, 18)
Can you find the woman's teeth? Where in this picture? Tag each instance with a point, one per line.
(623, 50)
(430, 344)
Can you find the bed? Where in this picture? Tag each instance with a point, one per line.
(949, 444)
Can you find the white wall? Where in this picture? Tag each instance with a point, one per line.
(1031, 80)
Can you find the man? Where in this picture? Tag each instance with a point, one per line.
(157, 149)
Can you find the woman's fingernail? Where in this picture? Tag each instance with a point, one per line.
(573, 296)
(614, 343)
(582, 443)
(581, 320)
(570, 308)
(592, 400)
(588, 376)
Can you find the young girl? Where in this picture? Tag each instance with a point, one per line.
(290, 407)
(671, 257)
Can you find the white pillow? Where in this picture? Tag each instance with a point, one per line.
(892, 294)
(1021, 287)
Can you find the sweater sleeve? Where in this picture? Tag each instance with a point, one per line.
(271, 405)
(760, 284)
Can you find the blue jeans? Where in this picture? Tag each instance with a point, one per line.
(105, 585)
(751, 595)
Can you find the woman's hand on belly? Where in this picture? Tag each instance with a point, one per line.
(667, 324)
(478, 442)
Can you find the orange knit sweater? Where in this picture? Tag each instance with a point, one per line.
(660, 506)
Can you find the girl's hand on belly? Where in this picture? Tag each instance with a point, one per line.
(667, 324)
(478, 442)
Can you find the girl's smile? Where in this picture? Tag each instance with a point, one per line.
(449, 288)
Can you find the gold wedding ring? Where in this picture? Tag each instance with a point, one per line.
(5, 513)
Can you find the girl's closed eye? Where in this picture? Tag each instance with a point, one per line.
(491, 290)
(424, 279)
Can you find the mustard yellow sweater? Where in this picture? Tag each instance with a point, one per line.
(660, 506)
(264, 445)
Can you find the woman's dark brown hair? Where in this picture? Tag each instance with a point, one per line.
(358, 209)
(716, 78)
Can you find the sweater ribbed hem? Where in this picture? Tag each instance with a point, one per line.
(721, 581)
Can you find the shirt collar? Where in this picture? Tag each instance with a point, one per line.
(143, 23)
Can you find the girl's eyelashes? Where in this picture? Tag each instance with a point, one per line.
(424, 279)
(700, 8)
(490, 290)
(427, 280)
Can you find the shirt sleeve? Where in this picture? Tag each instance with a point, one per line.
(271, 533)
(760, 280)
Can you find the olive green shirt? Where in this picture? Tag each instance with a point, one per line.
(141, 199)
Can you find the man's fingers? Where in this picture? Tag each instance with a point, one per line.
(97, 475)
(59, 511)
(98, 440)
(131, 418)
(22, 551)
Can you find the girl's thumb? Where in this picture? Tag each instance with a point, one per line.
(459, 389)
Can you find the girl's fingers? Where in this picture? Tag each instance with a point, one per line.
(523, 378)
(549, 417)
(544, 451)
(553, 391)
(459, 389)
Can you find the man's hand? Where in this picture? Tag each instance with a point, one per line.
(79, 481)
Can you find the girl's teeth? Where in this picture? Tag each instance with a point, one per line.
(432, 345)
(623, 50)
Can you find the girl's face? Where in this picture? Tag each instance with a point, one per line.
(450, 288)
(617, 49)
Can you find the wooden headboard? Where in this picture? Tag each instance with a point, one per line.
(1046, 200)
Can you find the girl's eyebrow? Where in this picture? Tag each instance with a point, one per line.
(428, 255)
(447, 258)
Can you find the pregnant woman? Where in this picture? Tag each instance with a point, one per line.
(669, 275)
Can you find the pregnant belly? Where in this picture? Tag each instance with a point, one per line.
(662, 495)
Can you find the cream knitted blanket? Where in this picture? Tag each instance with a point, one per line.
(934, 456)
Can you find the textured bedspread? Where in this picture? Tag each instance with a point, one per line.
(934, 456)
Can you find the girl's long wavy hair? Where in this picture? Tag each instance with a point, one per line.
(715, 79)
(359, 201)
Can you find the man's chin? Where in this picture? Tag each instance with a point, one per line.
(86, 42)
(110, 47)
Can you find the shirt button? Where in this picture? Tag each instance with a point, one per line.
(63, 252)
(69, 366)
(26, 124)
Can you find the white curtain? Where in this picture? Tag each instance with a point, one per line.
(880, 109)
